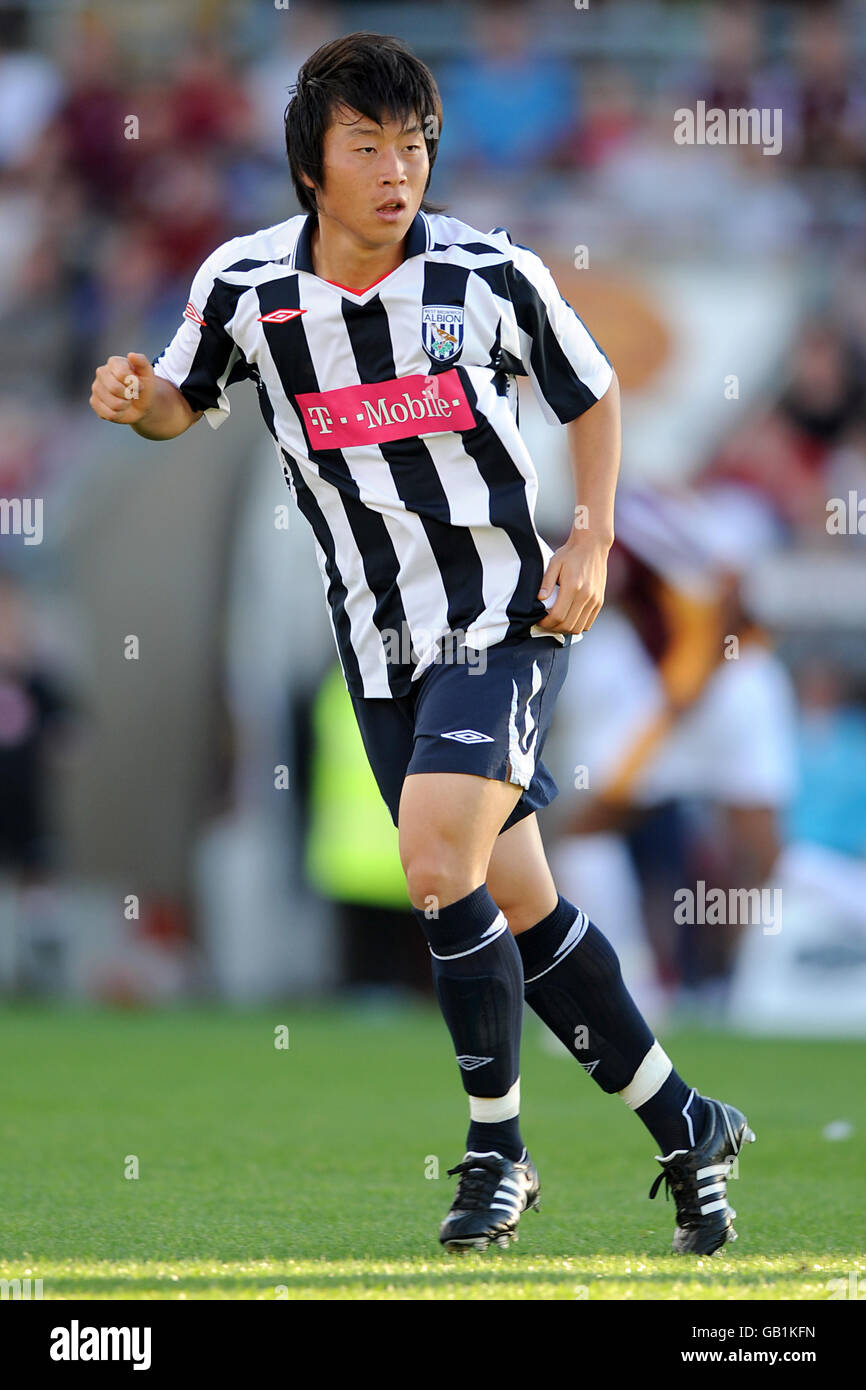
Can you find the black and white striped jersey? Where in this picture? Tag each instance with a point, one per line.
(394, 415)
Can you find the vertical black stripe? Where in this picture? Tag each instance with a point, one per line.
(337, 591)
(292, 358)
(415, 477)
(509, 510)
(562, 388)
(495, 277)
(215, 347)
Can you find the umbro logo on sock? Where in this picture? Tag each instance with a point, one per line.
(468, 736)
(473, 1063)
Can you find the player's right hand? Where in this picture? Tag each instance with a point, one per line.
(123, 389)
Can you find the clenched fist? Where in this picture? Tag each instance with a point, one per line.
(123, 389)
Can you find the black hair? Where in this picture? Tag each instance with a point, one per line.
(375, 74)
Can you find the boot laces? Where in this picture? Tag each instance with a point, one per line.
(479, 1179)
(680, 1180)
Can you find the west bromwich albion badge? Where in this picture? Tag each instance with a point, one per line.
(442, 330)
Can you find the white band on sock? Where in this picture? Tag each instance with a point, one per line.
(496, 928)
(575, 934)
(650, 1076)
(491, 1109)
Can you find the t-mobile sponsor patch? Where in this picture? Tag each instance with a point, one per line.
(385, 410)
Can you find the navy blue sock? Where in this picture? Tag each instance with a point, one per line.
(574, 983)
(674, 1116)
(478, 976)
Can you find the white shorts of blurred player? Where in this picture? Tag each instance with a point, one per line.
(736, 746)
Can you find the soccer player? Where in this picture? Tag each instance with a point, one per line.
(384, 340)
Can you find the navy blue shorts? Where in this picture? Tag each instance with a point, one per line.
(488, 720)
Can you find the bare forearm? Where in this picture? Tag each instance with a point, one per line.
(127, 391)
(168, 415)
(579, 568)
(595, 443)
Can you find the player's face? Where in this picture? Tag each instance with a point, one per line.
(368, 169)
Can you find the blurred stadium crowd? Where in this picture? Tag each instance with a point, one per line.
(714, 724)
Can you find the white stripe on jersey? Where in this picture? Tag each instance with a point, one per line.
(421, 528)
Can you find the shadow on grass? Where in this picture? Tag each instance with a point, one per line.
(468, 1271)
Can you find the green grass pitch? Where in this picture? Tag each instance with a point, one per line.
(302, 1172)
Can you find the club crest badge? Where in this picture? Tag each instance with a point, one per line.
(442, 331)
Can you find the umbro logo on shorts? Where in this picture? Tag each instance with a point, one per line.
(473, 1063)
(468, 736)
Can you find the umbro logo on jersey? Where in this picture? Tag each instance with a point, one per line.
(473, 1063)
(280, 315)
(468, 736)
(191, 312)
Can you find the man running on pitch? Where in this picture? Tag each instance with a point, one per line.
(384, 340)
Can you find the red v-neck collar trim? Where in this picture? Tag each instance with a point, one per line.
(418, 240)
(349, 289)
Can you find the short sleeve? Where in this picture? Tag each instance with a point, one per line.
(565, 365)
(202, 359)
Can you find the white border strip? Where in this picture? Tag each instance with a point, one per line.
(490, 1110)
(650, 1076)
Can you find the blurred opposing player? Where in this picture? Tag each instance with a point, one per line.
(683, 702)
(384, 340)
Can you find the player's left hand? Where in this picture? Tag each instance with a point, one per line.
(580, 569)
